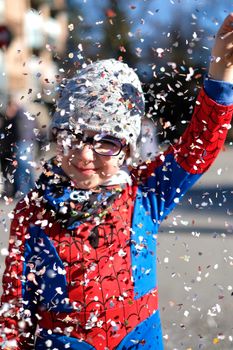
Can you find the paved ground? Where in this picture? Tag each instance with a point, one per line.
(195, 263)
(195, 267)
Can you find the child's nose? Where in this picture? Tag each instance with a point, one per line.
(87, 153)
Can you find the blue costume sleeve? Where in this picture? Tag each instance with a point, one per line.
(219, 91)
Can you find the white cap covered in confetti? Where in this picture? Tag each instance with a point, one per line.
(105, 96)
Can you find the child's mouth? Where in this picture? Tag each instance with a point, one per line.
(86, 171)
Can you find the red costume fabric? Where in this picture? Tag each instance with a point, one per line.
(92, 284)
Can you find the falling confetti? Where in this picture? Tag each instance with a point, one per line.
(81, 252)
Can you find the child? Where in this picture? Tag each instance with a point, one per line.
(81, 269)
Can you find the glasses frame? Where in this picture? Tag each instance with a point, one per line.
(91, 139)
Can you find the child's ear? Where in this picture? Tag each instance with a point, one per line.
(127, 152)
(125, 155)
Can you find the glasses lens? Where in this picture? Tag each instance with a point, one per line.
(103, 145)
(107, 146)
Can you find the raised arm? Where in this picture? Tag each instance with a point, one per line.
(175, 171)
(206, 134)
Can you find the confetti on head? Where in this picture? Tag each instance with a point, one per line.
(105, 96)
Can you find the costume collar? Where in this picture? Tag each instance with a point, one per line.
(74, 206)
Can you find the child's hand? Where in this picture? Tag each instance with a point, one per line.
(221, 66)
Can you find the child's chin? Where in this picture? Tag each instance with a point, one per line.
(86, 184)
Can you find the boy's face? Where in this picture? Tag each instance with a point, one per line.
(86, 158)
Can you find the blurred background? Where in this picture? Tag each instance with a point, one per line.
(169, 43)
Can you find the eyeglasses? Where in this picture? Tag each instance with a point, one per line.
(104, 145)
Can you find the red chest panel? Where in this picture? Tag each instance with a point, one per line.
(98, 278)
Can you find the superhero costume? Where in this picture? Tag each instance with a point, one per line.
(89, 281)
